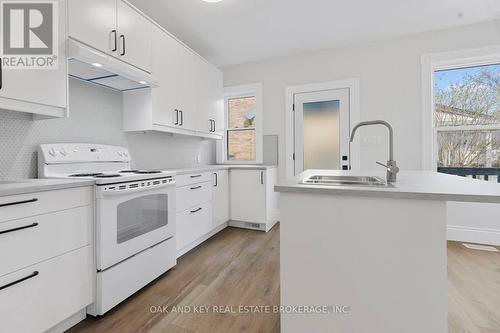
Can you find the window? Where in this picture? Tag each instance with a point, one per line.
(243, 139)
(467, 120)
(241, 129)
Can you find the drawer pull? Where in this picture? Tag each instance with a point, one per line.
(32, 275)
(195, 176)
(196, 210)
(18, 228)
(18, 202)
(195, 188)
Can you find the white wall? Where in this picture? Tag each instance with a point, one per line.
(390, 89)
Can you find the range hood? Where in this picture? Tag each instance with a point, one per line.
(93, 66)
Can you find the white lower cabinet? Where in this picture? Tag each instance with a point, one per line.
(36, 298)
(254, 204)
(192, 224)
(202, 207)
(47, 258)
(220, 199)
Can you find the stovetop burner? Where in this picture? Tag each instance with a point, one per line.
(95, 174)
(107, 176)
(128, 171)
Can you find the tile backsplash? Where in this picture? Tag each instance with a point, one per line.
(95, 117)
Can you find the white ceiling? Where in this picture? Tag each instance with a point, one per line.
(238, 31)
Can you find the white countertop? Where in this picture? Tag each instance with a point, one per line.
(23, 186)
(421, 185)
(215, 167)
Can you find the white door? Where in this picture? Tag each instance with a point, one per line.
(321, 130)
(248, 195)
(134, 37)
(167, 68)
(220, 199)
(93, 22)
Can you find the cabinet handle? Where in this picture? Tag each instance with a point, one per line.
(115, 41)
(216, 179)
(195, 176)
(122, 37)
(195, 211)
(213, 125)
(262, 177)
(18, 202)
(195, 188)
(176, 117)
(18, 228)
(182, 118)
(32, 275)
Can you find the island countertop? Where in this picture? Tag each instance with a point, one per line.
(419, 185)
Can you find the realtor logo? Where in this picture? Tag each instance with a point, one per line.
(29, 34)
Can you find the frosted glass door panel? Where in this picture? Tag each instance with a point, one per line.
(321, 135)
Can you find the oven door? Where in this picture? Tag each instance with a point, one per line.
(130, 221)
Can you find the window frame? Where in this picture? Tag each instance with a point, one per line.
(431, 63)
(242, 91)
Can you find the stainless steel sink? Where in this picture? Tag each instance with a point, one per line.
(343, 180)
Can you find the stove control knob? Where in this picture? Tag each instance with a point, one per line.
(120, 153)
(125, 154)
(63, 152)
(52, 152)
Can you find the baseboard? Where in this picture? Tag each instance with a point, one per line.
(474, 235)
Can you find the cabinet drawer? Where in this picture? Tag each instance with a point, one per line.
(47, 293)
(192, 195)
(27, 241)
(25, 205)
(192, 224)
(193, 178)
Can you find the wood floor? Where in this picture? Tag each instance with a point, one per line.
(241, 267)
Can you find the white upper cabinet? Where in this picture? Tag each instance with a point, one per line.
(93, 22)
(134, 39)
(39, 91)
(189, 99)
(113, 27)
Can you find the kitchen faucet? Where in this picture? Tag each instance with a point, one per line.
(391, 166)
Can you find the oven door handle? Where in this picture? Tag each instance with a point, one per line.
(105, 193)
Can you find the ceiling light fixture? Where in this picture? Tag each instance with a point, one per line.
(143, 82)
(212, 1)
(96, 64)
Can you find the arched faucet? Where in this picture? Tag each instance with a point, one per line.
(391, 166)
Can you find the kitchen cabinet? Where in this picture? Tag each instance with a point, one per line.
(47, 255)
(189, 99)
(254, 204)
(220, 198)
(134, 37)
(114, 27)
(39, 91)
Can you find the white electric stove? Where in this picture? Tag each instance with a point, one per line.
(134, 216)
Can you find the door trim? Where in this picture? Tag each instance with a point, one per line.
(354, 116)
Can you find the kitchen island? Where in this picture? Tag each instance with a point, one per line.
(375, 256)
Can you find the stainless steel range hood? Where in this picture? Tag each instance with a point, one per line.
(93, 66)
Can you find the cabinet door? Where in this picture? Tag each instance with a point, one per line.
(166, 66)
(209, 97)
(186, 88)
(41, 91)
(93, 22)
(248, 195)
(134, 37)
(192, 224)
(220, 200)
